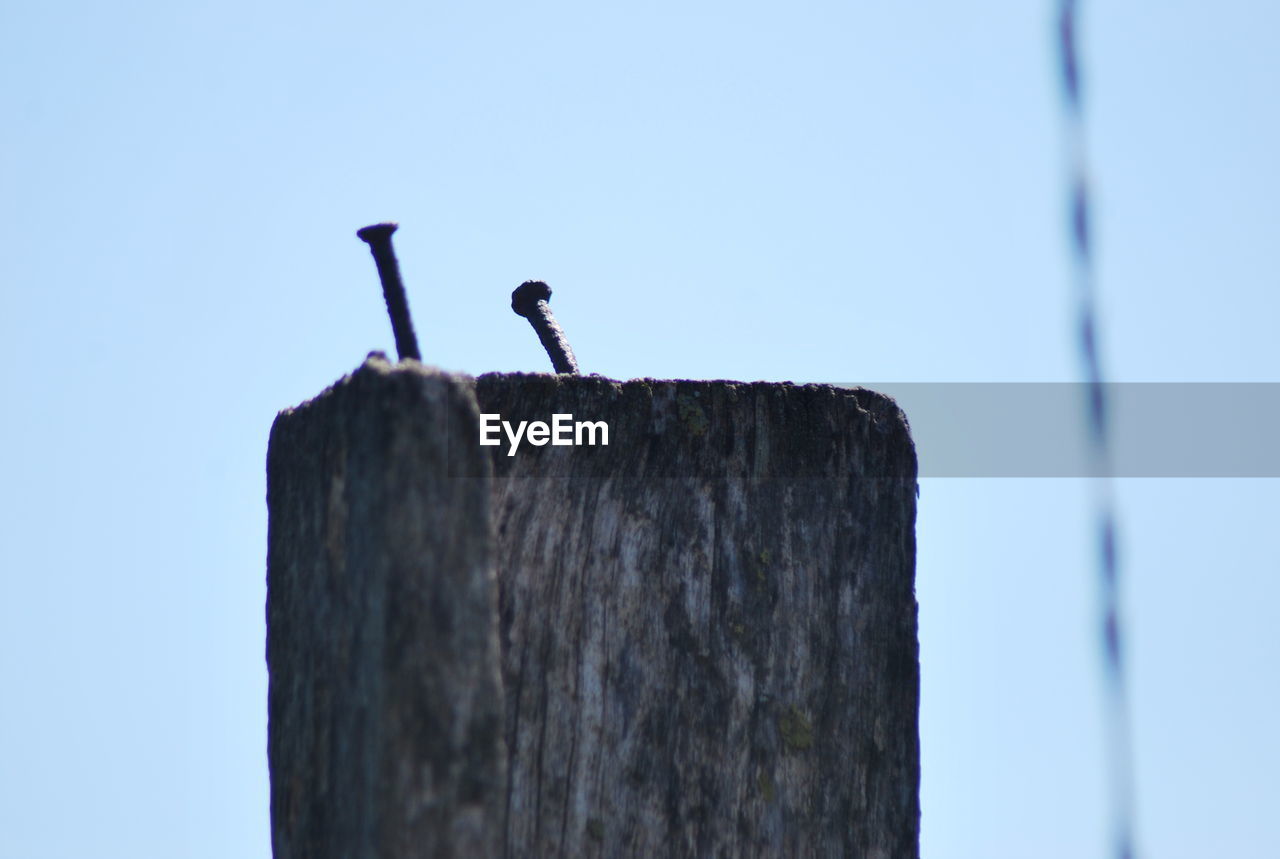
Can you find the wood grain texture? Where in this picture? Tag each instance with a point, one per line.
(385, 704)
(708, 627)
(701, 641)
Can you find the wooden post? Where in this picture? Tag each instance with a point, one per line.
(707, 628)
(385, 704)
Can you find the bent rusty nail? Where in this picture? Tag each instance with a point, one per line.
(530, 301)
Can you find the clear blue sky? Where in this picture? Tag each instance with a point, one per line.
(826, 192)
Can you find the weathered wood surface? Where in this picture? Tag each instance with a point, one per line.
(385, 705)
(706, 630)
(708, 627)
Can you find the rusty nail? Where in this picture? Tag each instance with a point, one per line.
(378, 237)
(530, 301)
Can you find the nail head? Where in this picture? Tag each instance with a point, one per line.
(527, 295)
(374, 232)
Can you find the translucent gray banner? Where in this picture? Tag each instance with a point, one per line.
(1039, 430)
